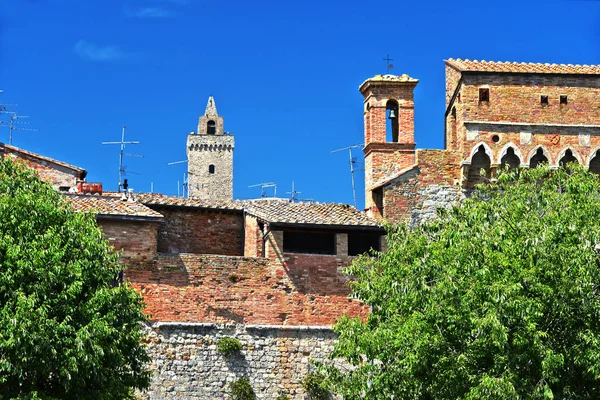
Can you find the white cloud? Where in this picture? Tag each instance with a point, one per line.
(150, 12)
(94, 52)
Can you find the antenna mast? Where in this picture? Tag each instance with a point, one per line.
(265, 185)
(122, 154)
(352, 162)
(185, 192)
(293, 193)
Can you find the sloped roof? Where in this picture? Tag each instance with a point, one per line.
(516, 67)
(285, 212)
(164, 200)
(13, 149)
(110, 204)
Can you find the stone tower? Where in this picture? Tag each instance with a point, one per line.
(389, 113)
(210, 158)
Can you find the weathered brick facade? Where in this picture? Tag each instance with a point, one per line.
(135, 239)
(185, 230)
(497, 114)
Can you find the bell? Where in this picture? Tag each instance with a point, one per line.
(392, 114)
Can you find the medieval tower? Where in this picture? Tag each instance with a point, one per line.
(210, 158)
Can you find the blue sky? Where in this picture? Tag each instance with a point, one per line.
(284, 75)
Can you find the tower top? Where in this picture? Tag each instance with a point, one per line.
(388, 79)
(211, 108)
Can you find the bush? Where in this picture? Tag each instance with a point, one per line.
(228, 346)
(313, 383)
(282, 397)
(241, 390)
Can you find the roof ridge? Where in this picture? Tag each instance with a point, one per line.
(522, 67)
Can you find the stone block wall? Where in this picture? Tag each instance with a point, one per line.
(186, 363)
(137, 239)
(200, 231)
(204, 151)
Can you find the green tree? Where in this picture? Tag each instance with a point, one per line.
(496, 299)
(66, 331)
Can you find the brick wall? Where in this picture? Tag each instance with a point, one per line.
(298, 289)
(137, 239)
(200, 231)
(253, 245)
(57, 175)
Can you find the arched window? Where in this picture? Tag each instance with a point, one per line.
(595, 164)
(538, 158)
(479, 161)
(211, 127)
(510, 159)
(391, 127)
(567, 158)
(211, 169)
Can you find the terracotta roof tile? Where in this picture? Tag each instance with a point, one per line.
(282, 211)
(528, 68)
(164, 200)
(13, 149)
(110, 204)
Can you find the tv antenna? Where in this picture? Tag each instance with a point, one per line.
(122, 168)
(13, 123)
(184, 187)
(266, 185)
(293, 194)
(388, 61)
(352, 163)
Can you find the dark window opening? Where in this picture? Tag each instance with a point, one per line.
(564, 99)
(544, 100)
(391, 131)
(510, 159)
(538, 158)
(377, 196)
(211, 169)
(360, 243)
(211, 127)
(484, 95)
(567, 158)
(479, 163)
(495, 138)
(308, 242)
(595, 164)
(64, 188)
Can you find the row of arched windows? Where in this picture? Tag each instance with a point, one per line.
(481, 158)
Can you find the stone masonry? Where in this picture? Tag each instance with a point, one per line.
(210, 158)
(187, 365)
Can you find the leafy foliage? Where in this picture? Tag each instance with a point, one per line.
(228, 346)
(65, 331)
(496, 299)
(241, 390)
(314, 383)
(282, 397)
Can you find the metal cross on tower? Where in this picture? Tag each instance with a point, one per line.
(389, 64)
(122, 170)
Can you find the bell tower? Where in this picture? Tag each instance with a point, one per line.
(389, 113)
(210, 158)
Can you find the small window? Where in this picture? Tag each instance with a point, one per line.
(544, 100)
(495, 138)
(211, 127)
(563, 99)
(484, 95)
(211, 169)
(308, 242)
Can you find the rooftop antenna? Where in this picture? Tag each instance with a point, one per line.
(266, 185)
(388, 63)
(352, 169)
(122, 143)
(185, 193)
(293, 193)
(13, 123)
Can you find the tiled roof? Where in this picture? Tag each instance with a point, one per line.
(13, 149)
(163, 200)
(110, 204)
(283, 211)
(529, 68)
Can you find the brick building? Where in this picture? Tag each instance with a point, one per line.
(497, 114)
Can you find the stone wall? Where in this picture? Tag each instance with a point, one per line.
(187, 365)
(204, 151)
(200, 231)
